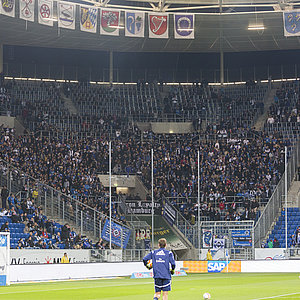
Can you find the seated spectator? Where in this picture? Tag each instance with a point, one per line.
(5, 227)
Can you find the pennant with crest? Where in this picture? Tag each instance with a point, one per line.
(88, 19)
(184, 26)
(26, 10)
(134, 24)
(158, 26)
(45, 12)
(291, 21)
(110, 22)
(7, 8)
(66, 15)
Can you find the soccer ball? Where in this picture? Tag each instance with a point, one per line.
(206, 296)
(149, 264)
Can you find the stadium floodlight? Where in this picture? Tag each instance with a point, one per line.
(256, 27)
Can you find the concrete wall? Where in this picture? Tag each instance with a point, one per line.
(25, 273)
(172, 127)
(118, 181)
(166, 127)
(133, 183)
(12, 122)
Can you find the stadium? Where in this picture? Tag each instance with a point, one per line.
(128, 123)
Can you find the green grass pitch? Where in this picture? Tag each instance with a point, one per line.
(223, 286)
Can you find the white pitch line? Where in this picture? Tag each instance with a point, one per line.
(73, 288)
(278, 296)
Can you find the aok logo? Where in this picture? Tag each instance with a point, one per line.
(216, 266)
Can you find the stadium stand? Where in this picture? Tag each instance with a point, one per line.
(278, 231)
(55, 149)
(283, 115)
(30, 228)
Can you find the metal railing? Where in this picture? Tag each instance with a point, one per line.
(274, 205)
(189, 231)
(55, 204)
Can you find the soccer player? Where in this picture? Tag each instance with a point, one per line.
(163, 267)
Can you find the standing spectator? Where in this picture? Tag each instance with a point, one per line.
(65, 259)
(4, 227)
(208, 256)
(276, 243)
(270, 244)
(4, 195)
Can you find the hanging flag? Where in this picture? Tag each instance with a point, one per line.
(291, 20)
(207, 238)
(184, 26)
(110, 22)
(88, 19)
(27, 10)
(45, 12)
(66, 15)
(119, 234)
(158, 26)
(134, 24)
(8, 8)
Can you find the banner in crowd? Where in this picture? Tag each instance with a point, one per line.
(66, 15)
(158, 25)
(291, 21)
(270, 253)
(169, 213)
(47, 256)
(119, 234)
(242, 242)
(184, 26)
(4, 257)
(110, 22)
(45, 11)
(240, 233)
(219, 243)
(134, 24)
(7, 7)
(27, 10)
(207, 238)
(88, 19)
(142, 207)
(142, 234)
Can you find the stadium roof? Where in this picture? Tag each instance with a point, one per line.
(211, 30)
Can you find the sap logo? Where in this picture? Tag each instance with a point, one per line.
(215, 266)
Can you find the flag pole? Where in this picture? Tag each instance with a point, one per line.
(286, 195)
(199, 242)
(110, 195)
(152, 199)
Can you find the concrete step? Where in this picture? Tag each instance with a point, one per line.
(269, 99)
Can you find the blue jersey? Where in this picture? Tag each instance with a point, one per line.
(162, 262)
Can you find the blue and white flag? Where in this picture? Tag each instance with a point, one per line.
(219, 243)
(134, 24)
(184, 26)
(291, 21)
(66, 15)
(119, 234)
(88, 18)
(207, 238)
(7, 7)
